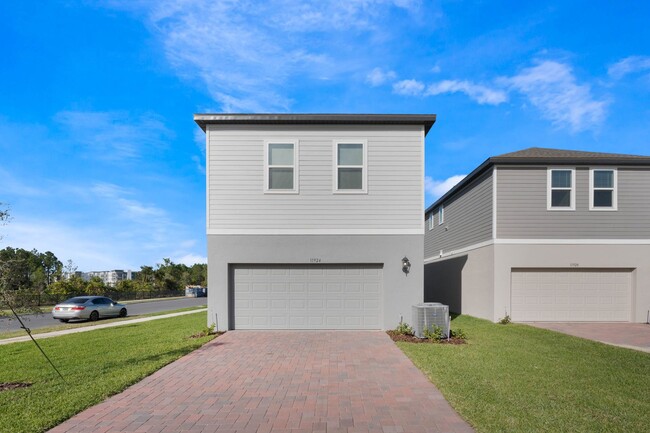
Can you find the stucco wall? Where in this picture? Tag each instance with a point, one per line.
(463, 281)
(400, 291)
(635, 257)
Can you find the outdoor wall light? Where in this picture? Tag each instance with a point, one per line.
(406, 265)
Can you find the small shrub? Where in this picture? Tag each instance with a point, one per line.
(505, 320)
(458, 334)
(208, 330)
(434, 332)
(404, 329)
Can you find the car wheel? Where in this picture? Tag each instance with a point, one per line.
(94, 316)
(64, 320)
(123, 312)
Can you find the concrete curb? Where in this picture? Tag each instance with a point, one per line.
(95, 327)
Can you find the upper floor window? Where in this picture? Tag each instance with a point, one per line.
(350, 167)
(431, 221)
(602, 189)
(561, 189)
(441, 215)
(281, 167)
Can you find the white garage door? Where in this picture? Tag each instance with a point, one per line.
(307, 296)
(564, 295)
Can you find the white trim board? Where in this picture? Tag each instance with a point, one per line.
(573, 241)
(494, 202)
(537, 242)
(458, 251)
(315, 232)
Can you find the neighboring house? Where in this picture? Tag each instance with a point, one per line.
(309, 218)
(544, 235)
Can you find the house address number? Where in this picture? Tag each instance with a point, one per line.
(314, 260)
(574, 265)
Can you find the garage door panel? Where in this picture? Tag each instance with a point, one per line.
(307, 296)
(571, 295)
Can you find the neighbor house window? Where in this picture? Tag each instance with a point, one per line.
(350, 166)
(602, 189)
(281, 167)
(561, 189)
(431, 221)
(441, 215)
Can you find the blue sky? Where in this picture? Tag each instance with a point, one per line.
(101, 161)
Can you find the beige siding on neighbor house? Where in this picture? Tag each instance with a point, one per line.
(237, 203)
(522, 207)
(467, 219)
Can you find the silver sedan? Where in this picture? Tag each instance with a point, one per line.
(88, 308)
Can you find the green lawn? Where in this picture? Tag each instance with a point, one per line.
(83, 324)
(95, 365)
(516, 378)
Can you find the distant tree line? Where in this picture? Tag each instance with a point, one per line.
(34, 278)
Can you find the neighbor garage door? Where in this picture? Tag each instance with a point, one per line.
(593, 295)
(307, 296)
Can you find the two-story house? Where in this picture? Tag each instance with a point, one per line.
(544, 235)
(314, 221)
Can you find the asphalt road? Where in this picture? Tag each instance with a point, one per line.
(35, 321)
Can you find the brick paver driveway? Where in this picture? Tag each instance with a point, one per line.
(286, 381)
(630, 335)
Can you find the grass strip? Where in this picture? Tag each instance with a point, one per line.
(516, 378)
(95, 365)
(85, 323)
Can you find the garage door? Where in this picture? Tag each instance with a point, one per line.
(307, 296)
(564, 295)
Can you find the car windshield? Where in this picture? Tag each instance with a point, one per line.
(78, 300)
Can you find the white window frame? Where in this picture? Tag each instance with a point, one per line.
(441, 215)
(430, 220)
(267, 167)
(614, 190)
(549, 189)
(335, 166)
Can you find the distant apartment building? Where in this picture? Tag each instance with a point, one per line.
(110, 278)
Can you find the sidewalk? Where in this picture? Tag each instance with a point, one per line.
(94, 327)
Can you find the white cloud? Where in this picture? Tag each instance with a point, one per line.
(629, 65)
(408, 88)
(476, 92)
(84, 246)
(190, 259)
(148, 221)
(436, 188)
(246, 52)
(377, 77)
(114, 135)
(553, 89)
(11, 185)
(479, 93)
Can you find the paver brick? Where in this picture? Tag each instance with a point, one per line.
(280, 381)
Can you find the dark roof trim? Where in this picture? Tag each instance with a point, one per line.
(426, 120)
(631, 160)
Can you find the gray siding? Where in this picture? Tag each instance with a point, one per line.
(522, 207)
(237, 202)
(467, 220)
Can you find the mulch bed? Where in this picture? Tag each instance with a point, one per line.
(6, 386)
(413, 339)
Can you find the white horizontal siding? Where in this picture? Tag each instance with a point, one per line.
(236, 199)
